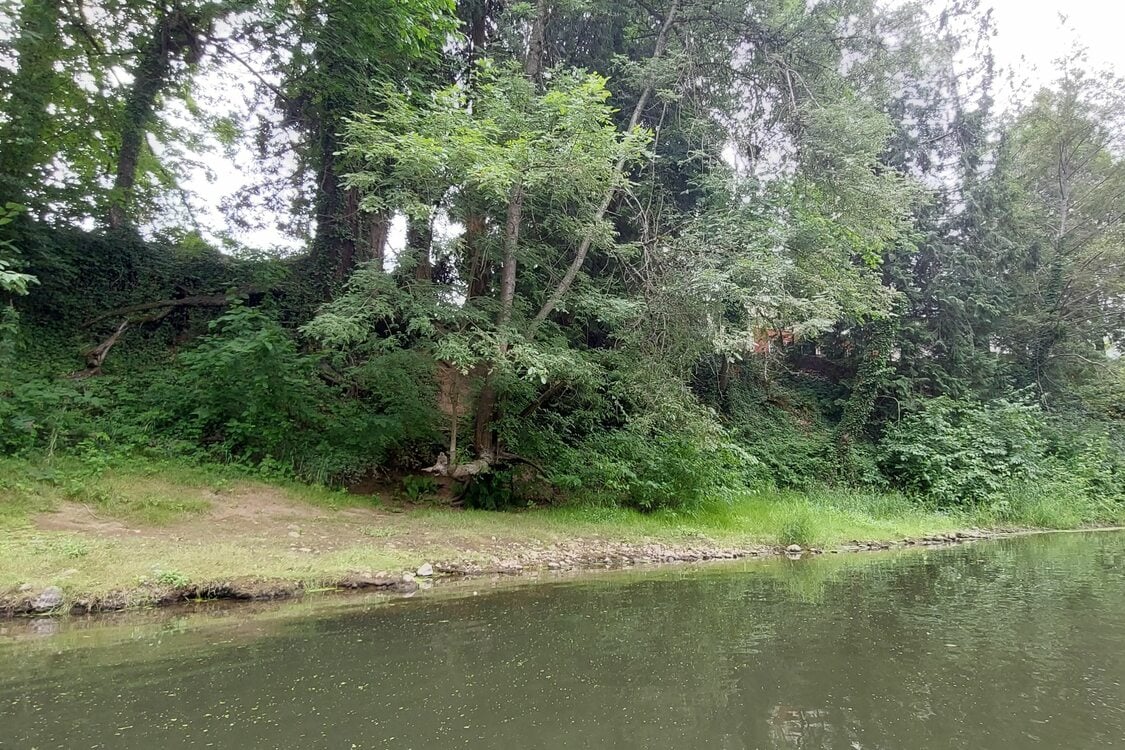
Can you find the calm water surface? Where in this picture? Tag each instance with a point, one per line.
(1007, 645)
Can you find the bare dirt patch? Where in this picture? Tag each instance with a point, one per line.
(253, 514)
(78, 517)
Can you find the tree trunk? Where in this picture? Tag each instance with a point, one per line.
(378, 227)
(479, 272)
(25, 139)
(537, 44)
(176, 34)
(508, 263)
(334, 248)
(484, 436)
(419, 241)
(724, 384)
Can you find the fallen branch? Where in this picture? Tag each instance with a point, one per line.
(544, 398)
(201, 300)
(520, 459)
(443, 468)
(97, 355)
(156, 310)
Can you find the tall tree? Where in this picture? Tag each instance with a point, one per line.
(168, 49)
(26, 142)
(337, 56)
(1063, 167)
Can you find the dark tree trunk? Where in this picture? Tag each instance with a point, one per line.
(419, 241)
(334, 249)
(479, 270)
(177, 34)
(537, 44)
(484, 434)
(378, 227)
(724, 382)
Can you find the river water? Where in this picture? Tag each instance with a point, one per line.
(1004, 645)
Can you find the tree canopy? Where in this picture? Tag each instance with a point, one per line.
(638, 251)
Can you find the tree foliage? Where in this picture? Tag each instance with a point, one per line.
(638, 252)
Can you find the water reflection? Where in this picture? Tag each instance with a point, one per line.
(1006, 646)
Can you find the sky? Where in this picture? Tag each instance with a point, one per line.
(1030, 36)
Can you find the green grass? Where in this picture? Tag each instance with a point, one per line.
(146, 492)
(823, 517)
(82, 565)
(820, 518)
(1052, 505)
(146, 497)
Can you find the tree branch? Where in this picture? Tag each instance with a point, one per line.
(563, 287)
(203, 300)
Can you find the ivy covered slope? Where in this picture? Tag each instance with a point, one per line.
(697, 259)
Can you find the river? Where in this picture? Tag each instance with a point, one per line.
(1004, 645)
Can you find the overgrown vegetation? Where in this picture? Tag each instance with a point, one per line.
(614, 255)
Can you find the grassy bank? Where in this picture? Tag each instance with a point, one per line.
(112, 528)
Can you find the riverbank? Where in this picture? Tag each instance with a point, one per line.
(139, 535)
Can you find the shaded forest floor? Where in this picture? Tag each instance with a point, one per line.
(72, 539)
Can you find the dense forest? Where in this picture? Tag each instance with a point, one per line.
(637, 252)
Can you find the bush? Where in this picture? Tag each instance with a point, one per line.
(253, 397)
(1091, 455)
(649, 471)
(963, 452)
(791, 452)
(248, 389)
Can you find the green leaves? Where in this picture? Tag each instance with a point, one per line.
(961, 453)
(562, 145)
(12, 281)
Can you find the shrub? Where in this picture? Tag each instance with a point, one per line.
(785, 431)
(963, 452)
(254, 398)
(1091, 455)
(649, 471)
(248, 388)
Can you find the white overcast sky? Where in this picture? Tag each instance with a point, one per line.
(1030, 36)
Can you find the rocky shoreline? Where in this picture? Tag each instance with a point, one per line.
(574, 556)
